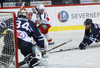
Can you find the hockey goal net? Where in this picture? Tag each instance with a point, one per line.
(8, 40)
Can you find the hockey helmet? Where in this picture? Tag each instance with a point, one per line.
(22, 12)
(40, 7)
(88, 21)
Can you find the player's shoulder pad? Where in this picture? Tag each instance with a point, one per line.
(31, 22)
(95, 25)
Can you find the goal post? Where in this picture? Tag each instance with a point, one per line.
(8, 40)
(16, 43)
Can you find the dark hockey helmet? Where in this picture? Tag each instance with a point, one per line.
(88, 21)
(22, 12)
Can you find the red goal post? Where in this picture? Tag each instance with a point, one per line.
(4, 16)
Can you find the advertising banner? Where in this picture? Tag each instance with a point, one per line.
(68, 17)
(89, 1)
(9, 4)
(40, 2)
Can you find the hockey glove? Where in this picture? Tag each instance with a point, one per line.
(43, 51)
(97, 40)
(82, 46)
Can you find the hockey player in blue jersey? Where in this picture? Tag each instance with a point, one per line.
(25, 30)
(92, 33)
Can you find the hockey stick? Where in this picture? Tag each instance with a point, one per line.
(23, 4)
(62, 50)
(58, 45)
(23, 62)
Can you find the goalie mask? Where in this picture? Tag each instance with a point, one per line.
(22, 13)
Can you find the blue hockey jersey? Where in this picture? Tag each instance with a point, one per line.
(91, 34)
(27, 29)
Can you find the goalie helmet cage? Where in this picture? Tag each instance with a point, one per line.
(5, 16)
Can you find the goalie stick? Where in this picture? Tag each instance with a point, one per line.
(23, 62)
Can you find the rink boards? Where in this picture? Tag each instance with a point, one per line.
(70, 17)
(67, 17)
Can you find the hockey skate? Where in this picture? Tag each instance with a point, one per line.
(50, 43)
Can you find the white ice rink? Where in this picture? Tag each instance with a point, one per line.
(89, 58)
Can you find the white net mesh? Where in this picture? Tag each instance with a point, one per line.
(7, 40)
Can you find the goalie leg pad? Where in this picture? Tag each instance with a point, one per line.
(32, 60)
